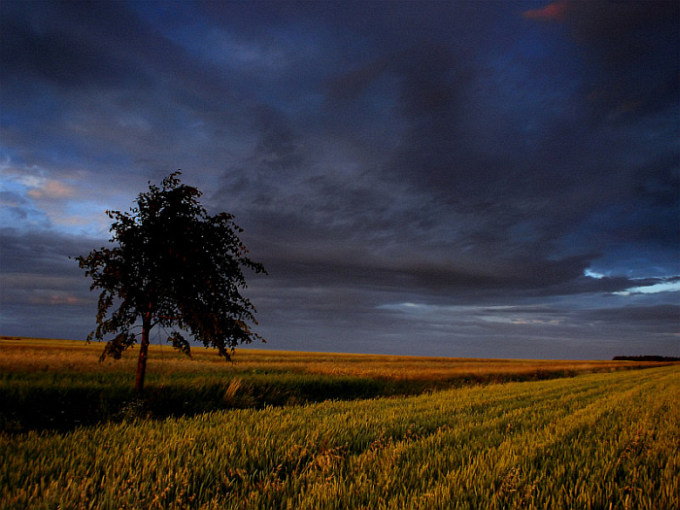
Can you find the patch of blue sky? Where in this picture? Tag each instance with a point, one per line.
(85, 218)
(15, 185)
(16, 214)
(28, 204)
(671, 286)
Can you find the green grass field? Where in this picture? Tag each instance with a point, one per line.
(608, 439)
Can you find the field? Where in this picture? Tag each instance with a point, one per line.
(66, 386)
(605, 439)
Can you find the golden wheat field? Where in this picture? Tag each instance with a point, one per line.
(600, 438)
(56, 355)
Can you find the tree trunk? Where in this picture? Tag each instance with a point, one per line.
(143, 352)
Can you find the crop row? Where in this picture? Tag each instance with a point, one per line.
(593, 441)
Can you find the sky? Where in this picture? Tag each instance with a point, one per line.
(492, 179)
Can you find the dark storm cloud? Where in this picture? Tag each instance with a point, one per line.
(65, 52)
(660, 314)
(635, 48)
(43, 254)
(107, 88)
(43, 292)
(315, 263)
(442, 154)
(533, 191)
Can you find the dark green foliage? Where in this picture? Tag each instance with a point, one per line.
(645, 358)
(175, 266)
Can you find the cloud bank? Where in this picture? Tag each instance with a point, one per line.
(461, 178)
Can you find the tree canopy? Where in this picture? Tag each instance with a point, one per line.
(175, 266)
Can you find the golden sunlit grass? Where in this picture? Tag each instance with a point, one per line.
(60, 384)
(72, 435)
(23, 354)
(606, 440)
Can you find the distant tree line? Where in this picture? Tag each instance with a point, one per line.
(645, 358)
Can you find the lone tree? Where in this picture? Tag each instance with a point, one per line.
(173, 266)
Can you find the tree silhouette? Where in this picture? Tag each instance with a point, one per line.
(173, 266)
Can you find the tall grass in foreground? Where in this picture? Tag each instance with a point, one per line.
(593, 441)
